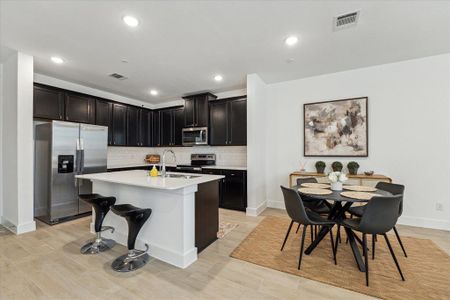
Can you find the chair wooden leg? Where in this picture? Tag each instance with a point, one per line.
(400, 241)
(374, 237)
(393, 256)
(287, 235)
(301, 245)
(298, 227)
(332, 245)
(312, 233)
(366, 259)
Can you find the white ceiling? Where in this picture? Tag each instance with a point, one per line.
(180, 45)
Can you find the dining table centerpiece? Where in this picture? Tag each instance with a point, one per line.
(336, 180)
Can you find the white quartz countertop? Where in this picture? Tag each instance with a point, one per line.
(141, 178)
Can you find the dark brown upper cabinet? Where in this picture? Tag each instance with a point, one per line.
(178, 124)
(133, 126)
(48, 102)
(119, 125)
(156, 128)
(104, 116)
(228, 122)
(171, 125)
(196, 110)
(145, 127)
(79, 108)
(237, 115)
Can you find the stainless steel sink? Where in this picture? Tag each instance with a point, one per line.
(181, 176)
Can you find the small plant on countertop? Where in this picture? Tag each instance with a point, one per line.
(353, 167)
(337, 166)
(320, 166)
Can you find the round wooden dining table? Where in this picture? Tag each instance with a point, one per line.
(340, 205)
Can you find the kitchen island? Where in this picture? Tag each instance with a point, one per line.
(184, 217)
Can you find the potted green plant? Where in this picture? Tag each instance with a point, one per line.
(320, 166)
(353, 167)
(337, 166)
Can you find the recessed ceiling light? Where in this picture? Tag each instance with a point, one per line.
(57, 60)
(130, 21)
(154, 92)
(291, 40)
(218, 78)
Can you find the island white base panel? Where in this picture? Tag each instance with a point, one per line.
(170, 230)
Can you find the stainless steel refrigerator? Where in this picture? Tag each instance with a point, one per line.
(63, 150)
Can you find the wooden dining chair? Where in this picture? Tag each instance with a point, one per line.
(298, 213)
(394, 189)
(380, 216)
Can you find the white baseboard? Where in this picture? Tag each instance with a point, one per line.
(276, 204)
(27, 227)
(425, 222)
(181, 260)
(18, 229)
(255, 211)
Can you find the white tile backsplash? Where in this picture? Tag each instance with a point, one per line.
(225, 156)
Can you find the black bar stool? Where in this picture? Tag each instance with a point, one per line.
(101, 207)
(136, 218)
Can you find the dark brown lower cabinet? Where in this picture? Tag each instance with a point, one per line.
(206, 214)
(233, 188)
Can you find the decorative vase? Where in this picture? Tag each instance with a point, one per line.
(336, 186)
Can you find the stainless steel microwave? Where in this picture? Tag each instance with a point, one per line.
(195, 136)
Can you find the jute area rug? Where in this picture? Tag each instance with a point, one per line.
(426, 270)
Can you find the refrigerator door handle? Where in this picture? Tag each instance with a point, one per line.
(81, 161)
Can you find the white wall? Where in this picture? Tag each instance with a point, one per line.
(17, 133)
(257, 108)
(409, 130)
(1, 138)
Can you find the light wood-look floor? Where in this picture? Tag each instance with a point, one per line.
(46, 264)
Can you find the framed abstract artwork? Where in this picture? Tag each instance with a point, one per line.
(336, 128)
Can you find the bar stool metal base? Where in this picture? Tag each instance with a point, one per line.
(97, 245)
(132, 261)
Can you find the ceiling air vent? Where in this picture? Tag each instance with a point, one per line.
(345, 21)
(117, 76)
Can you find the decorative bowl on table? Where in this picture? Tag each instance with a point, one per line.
(368, 173)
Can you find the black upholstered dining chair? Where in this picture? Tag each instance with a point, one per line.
(379, 217)
(320, 207)
(297, 212)
(394, 189)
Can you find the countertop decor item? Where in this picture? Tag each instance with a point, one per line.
(336, 128)
(337, 166)
(312, 191)
(368, 173)
(320, 166)
(353, 167)
(315, 185)
(359, 195)
(154, 172)
(336, 179)
(359, 188)
(152, 158)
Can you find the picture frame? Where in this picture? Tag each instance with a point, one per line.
(336, 128)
